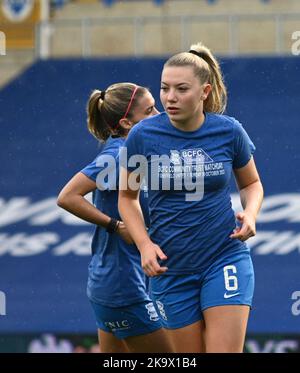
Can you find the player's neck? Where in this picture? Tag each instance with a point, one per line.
(192, 124)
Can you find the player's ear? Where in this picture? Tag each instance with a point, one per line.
(206, 91)
(125, 123)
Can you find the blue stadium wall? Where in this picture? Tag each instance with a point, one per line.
(44, 252)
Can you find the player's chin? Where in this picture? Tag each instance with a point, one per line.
(179, 118)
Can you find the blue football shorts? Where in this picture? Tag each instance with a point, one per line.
(137, 319)
(181, 299)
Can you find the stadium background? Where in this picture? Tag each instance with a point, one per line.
(55, 53)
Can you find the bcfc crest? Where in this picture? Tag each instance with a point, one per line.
(152, 312)
(161, 309)
(189, 156)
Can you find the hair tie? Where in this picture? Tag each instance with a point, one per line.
(102, 95)
(199, 54)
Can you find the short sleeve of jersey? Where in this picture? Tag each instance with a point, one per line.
(132, 151)
(103, 170)
(243, 147)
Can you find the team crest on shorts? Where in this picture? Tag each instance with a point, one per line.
(152, 312)
(161, 310)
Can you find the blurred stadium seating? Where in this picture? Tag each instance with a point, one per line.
(90, 28)
(61, 3)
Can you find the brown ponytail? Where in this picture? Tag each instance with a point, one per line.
(105, 109)
(96, 125)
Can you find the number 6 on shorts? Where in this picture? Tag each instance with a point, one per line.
(231, 282)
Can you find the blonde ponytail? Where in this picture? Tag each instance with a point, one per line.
(207, 69)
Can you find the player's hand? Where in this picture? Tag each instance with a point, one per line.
(247, 228)
(123, 232)
(149, 254)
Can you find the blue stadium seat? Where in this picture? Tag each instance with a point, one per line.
(111, 2)
(58, 3)
(108, 2)
(61, 3)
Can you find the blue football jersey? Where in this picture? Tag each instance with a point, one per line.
(191, 227)
(115, 278)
